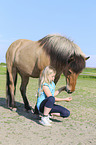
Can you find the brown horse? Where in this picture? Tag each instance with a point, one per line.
(29, 58)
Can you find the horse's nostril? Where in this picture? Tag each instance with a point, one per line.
(69, 92)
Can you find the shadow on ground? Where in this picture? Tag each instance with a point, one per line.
(22, 112)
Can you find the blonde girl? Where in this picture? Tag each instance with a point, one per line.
(46, 97)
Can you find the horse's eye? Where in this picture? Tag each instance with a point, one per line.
(69, 72)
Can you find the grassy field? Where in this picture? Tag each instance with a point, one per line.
(20, 128)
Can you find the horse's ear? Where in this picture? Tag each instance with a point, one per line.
(70, 59)
(87, 58)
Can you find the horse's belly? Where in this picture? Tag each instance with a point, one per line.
(28, 71)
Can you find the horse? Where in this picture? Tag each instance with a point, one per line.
(28, 58)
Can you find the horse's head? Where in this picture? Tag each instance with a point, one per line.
(74, 67)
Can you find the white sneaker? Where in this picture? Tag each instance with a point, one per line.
(48, 118)
(44, 121)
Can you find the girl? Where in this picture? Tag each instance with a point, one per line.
(46, 97)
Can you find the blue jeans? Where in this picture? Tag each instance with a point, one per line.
(49, 103)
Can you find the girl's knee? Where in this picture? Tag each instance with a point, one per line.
(50, 102)
(65, 114)
(68, 113)
(51, 99)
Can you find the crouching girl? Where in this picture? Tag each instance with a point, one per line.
(46, 97)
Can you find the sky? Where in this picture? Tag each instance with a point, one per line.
(34, 19)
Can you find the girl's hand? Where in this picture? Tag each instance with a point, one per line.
(68, 99)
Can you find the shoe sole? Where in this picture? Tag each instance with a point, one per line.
(44, 124)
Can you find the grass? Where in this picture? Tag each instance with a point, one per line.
(2, 69)
(83, 97)
(80, 124)
(90, 70)
(85, 85)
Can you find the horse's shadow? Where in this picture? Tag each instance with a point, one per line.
(21, 111)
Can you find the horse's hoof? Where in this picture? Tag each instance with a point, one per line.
(28, 111)
(10, 108)
(14, 109)
(28, 108)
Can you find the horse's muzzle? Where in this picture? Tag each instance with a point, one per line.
(68, 91)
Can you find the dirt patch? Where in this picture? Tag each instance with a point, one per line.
(22, 128)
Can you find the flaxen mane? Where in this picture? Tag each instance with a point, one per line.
(60, 49)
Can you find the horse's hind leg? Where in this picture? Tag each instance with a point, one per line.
(24, 82)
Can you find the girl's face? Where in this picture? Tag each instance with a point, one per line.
(52, 77)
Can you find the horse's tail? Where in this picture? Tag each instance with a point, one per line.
(11, 74)
(8, 93)
(15, 82)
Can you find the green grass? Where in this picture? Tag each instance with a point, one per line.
(91, 70)
(80, 124)
(83, 97)
(2, 68)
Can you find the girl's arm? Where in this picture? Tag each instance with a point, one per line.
(63, 99)
(48, 94)
(47, 91)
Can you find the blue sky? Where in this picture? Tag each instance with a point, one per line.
(33, 19)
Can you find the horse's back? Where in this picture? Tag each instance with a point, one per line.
(14, 48)
(25, 56)
(11, 50)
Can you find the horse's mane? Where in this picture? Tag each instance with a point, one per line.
(60, 48)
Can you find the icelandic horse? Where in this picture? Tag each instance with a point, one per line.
(28, 58)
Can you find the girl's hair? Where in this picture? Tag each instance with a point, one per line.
(44, 77)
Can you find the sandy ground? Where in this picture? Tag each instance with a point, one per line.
(22, 128)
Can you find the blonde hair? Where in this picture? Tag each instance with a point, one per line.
(44, 77)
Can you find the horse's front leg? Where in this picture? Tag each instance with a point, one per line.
(24, 82)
